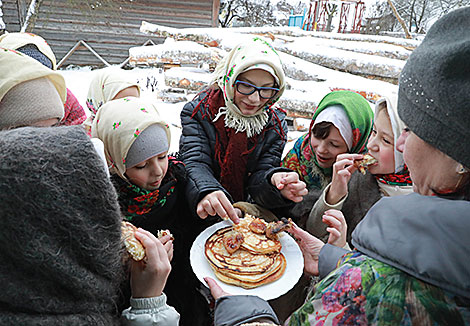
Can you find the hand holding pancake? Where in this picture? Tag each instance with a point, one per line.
(343, 168)
(149, 276)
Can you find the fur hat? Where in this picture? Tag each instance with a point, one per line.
(60, 225)
(434, 96)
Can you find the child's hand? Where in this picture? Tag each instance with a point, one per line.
(168, 245)
(216, 203)
(342, 171)
(337, 227)
(289, 185)
(148, 276)
(310, 247)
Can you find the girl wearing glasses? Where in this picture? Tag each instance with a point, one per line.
(233, 136)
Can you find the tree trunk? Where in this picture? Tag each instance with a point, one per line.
(31, 16)
(397, 16)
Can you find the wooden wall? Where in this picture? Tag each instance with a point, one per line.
(110, 27)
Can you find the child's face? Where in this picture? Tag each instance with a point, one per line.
(250, 104)
(381, 145)
(327, 149)
(149, 174)
(132, 91)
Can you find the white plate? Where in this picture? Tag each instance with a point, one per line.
(290, 250)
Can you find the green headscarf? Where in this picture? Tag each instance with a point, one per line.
(300, 158)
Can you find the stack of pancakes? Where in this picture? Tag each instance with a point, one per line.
(256, 262)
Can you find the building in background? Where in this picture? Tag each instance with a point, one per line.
(108, 27)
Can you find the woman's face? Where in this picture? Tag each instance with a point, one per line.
(327, 149)
(250, 104)
(381, 145)
(430, 169)
(149, 174)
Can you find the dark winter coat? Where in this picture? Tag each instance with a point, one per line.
(197, 145)
(171, 212)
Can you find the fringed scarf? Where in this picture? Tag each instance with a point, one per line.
(232, 147)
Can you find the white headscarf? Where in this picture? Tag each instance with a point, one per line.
(397, 125)
(338, 117)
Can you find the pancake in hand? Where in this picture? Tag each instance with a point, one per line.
(364, 163)
(133, 246)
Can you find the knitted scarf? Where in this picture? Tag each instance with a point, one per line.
(232, 148)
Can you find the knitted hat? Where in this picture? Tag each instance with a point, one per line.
(60, 221)
(151, 142)
(30, 44)
(434, 87)
(18, 68)
(119, 123)
(38, 96)
(32, 51)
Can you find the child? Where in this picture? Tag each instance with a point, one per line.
(341, 124)
(354, 193)
(37, 48)
(108, 84)
(30, 94)
(151, 187)
(233, 136)
(62, 227)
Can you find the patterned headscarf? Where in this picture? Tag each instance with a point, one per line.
(118, 123)
(301, 158)
(18, 40)
(104, 86)
(255, 54)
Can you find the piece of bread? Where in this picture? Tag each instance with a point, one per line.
(162, 233)
(133, 246)
(364, 163)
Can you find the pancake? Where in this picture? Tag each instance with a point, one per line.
(249, 284)
(254, 242)
(254, 261)
(241, 261)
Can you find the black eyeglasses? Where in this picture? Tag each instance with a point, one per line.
(248, 89)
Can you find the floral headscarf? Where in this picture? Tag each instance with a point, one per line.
(301, 158)
(255, 53)
(17, 40)
(118, 123)
(104, 86)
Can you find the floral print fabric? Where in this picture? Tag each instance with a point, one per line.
(364, 291)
